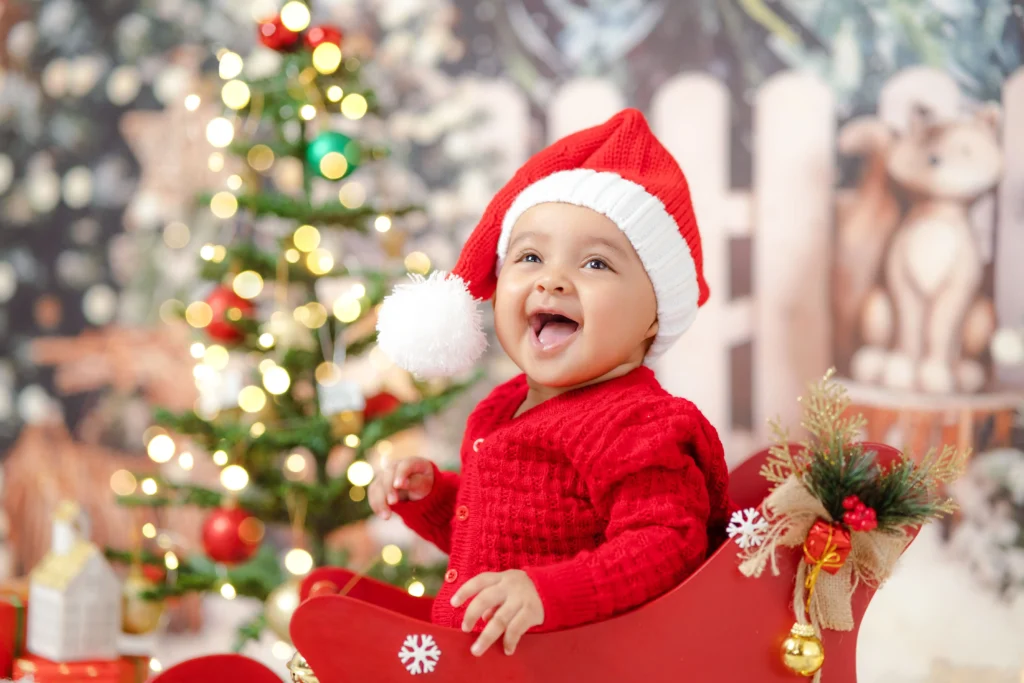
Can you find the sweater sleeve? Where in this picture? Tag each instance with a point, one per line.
(645, 476)
(431, 517)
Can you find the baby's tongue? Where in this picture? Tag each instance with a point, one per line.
(554, 332)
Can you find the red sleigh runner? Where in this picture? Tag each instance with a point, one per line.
(716, 626)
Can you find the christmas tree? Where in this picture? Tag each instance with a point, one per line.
(289, 306)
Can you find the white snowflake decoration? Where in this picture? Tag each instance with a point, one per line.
(419, 654)
(748, 527)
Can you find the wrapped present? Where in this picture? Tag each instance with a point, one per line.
(13, 602)
(39, 670)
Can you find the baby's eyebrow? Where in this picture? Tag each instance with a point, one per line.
(608, 243)
(524, 235)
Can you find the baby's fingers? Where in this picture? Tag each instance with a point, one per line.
(382, 493)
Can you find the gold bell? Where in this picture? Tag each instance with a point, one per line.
(802, 651)
(300, 670)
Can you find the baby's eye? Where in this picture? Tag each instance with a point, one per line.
(529, 258)
(596, 264)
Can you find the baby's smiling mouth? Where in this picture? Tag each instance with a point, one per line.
(551, 329)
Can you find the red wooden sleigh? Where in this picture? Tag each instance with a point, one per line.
(717, 626)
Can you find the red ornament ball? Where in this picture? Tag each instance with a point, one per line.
(222, 328)
(380, 405)
(322, 34)
(231, 535)
(275, 35)
(323, 587)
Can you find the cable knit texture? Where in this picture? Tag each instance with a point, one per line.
(607, 496)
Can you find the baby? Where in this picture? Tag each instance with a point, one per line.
(586, 489)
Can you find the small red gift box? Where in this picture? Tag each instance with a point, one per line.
(102, 671)
(827, 545)
(12, 629)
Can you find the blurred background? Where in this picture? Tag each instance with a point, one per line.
(202, 202)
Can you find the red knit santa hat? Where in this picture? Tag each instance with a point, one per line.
(432, 326)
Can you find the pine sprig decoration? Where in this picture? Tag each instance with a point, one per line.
(834, 465)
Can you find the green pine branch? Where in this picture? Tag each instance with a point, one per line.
(249, 632)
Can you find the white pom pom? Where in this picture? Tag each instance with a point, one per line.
(431, 326)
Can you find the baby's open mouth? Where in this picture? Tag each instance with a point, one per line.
(552, 329)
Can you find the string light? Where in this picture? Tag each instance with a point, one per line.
(199, 314)
(235, 94)
(391, 554)
(315, 315)
(160, 448)
(354, 106)
(192, 102)
(248, 284)
(307, 112)
(417, 589)
(234, 478)
(335, 93)
(207, 251)
(382, 223)
(417, 262)
(251, 399)
(219, 253)
(357, 494)
(234, 182)
(326, 58)
(176, 235)
(352, 195)
(360, 472)
(230, 65)
(197, 350)
(298, 561)
(155, 666)
(149, 530)
(295, 16)
(220, 458)
(352, 441)
(358, 290)
(334, 165)
(306, 238)
(266, 364)
(282, 650)
(186, 461)
(320, 261)
(327, 373)
(169, 310)
(257, 430)
(347, 309)
(216, 356)
(223, 205)
(228, 591)
(276, 380)
(295, 462)
(123, 483)
(260, 157)
(216, 162)
(170, 560)
(220, 132)
(292, 255)
(266, 340)
(149, 486)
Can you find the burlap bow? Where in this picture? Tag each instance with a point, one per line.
(791, 510)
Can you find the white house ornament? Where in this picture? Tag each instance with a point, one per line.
(75, 596)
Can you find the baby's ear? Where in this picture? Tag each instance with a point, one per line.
(991, 114)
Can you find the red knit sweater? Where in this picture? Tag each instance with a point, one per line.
(604, 495)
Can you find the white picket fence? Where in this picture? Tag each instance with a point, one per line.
(789, 212)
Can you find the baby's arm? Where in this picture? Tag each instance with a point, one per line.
(431, 517)
(656, 499)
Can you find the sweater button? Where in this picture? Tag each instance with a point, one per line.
(451, 575)
(476, 445)
(462, 513)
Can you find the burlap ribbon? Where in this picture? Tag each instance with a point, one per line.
(791, 510)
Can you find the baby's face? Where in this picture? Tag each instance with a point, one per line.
(573, 300)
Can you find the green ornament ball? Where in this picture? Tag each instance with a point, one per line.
(333, 155)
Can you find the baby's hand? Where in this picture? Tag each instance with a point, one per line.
(405, 479)
(511, 602)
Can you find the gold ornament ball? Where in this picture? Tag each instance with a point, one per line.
(802, 651)
(139, 616)
(300, 670)
(281, 604)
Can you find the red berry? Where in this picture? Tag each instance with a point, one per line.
(850, 502)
